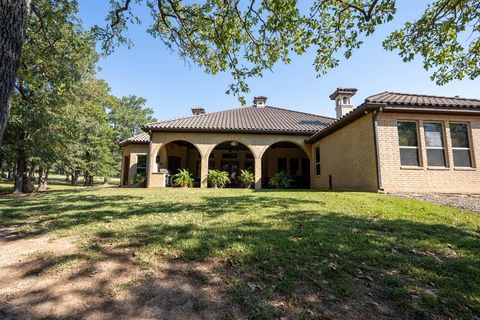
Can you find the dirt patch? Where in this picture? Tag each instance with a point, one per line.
(44, 277)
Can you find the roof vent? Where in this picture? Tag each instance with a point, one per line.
(197, 111)
(259, 101)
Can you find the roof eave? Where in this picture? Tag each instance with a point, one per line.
(367, 107)
(220, 130)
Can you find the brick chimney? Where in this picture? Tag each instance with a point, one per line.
(259, 101)
(197, 111)
(343, 100)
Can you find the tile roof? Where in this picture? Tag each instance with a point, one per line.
(393, 101)
(247, 119)
(138, 139)
(394, 98)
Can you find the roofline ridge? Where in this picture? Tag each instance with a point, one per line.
(424, 95)
(310, 114)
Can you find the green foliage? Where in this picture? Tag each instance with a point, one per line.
(126, 116)
(218, 179)
(280, 180)
(446, 36)
(139, 179)
(183, 179)
(248, 37)
(247, 177)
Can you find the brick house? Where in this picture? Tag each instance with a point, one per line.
(391, 142)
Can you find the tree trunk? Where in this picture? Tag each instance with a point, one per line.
(13, 18)
(42, 179)
(20, 174)
(31, 173)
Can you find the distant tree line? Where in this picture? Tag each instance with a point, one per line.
(63, 117)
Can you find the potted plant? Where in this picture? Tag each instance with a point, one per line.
(217, 178)
(280, 180)
(183, 179)
(247, 178)
(139, 180)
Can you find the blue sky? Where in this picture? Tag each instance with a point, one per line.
(172, 87)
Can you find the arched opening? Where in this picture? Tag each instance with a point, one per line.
(176, 155)
(287, 157)
(232, 157)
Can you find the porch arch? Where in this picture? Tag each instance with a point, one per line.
(289, 157)
(231, 156)
(177, 154)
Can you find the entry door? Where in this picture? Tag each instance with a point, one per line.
(126, 169)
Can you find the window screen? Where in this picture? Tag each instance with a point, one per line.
(434, 144)
(408, 143)
(460, 145)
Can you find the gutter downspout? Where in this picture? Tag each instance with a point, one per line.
(377, 148)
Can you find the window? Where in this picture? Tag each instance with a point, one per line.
(294, 167)
(317, 161)
(282, 165)
(345, 100)
(460, 145)
(408, 142)
(434, 144)
(142, 164)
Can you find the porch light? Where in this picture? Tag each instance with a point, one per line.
(234, 143)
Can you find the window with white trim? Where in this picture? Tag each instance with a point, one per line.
(142, 163)
(317, 161)
(459, 134)
(408, 143)
(434, 144)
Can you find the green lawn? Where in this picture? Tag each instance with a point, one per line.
(421, 259)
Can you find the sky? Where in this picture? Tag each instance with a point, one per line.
(172, 87)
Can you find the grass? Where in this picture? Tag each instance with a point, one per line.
(345, 248)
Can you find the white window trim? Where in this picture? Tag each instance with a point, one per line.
(469, 138)
(411, 147)
(436, 148)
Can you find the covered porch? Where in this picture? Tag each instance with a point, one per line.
(263, 155)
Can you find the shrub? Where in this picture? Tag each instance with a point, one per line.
(183, 179)
(280, 180)
(218, 179)
(139, 180)
(247, 178)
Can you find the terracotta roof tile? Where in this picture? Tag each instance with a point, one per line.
(247, 119)
(395, 98)
(138, 139)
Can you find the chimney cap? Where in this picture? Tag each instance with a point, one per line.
(198, 111)
(346, 91)
(259, 101)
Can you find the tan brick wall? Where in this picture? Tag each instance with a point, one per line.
(424, 179)
(348, 155)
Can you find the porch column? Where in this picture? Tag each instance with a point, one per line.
(258, 173)
(150, 162)
(204, 171)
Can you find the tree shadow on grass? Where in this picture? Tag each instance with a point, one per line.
(330, 264)
(284, 262)
(41, 214)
